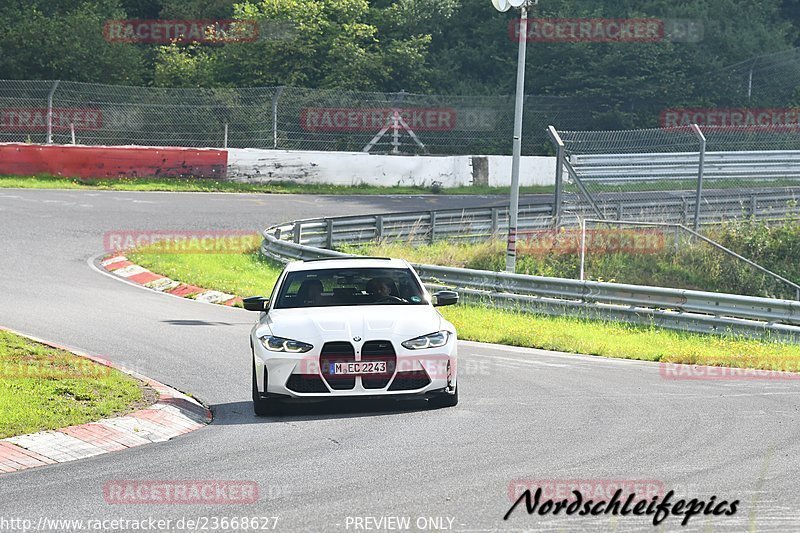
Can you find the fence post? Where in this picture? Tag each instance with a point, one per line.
(495, 221)
(433, 226)
(556, 138)
(701, 164)
(275, 97)
(50, 111)
(72, 131)
(225, 137)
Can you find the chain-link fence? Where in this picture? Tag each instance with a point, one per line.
(688, 175)
(277, 117)
(769, 79)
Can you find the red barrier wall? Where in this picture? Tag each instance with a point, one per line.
(111, 161)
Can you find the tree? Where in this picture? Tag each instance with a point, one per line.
(63, 39)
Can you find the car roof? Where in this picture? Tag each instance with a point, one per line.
(356, 262)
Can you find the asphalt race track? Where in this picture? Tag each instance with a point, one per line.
(524, 414)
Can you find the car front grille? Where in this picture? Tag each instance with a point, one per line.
(378, 351)
(337, 352)
(306, 383)
(415, 379)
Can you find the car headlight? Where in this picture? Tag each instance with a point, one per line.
(432, 340)
(279, 344)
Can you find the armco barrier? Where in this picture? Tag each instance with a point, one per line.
(111, 161)
(679, 309)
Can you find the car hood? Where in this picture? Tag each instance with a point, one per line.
(322, 324)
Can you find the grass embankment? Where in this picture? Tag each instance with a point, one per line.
(646, 258)
(204, 185)
(45, 388)
(249, 274)
(208, 185)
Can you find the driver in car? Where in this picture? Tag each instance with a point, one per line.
(379, 289)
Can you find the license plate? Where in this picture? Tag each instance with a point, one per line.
(359, 367)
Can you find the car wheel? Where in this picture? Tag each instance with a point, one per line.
(263, 406)
(444, 399)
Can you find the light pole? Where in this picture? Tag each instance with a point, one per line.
(505, 5)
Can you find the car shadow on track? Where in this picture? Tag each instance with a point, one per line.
(238, 413)
(200, 323)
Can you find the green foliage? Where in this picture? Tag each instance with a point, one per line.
(64, 40)
(436, 46)
(696, 265)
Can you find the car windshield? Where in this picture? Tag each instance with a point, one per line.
(351, 286)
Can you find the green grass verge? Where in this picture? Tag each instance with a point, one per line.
(620, 340)
(249, 274)
(242, 274)
(45, 388)
(203, 185)
(207, 185)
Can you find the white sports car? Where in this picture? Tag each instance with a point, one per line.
(353, 327)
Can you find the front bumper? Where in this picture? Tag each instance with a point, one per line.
(301, 376)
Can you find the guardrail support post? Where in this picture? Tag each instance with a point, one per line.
(328, 233)
(297, 229)
(685, 214)
(433, 226)
(701, 164)
(583, 246)
(495, 220)
(753, 205)
(379, 228)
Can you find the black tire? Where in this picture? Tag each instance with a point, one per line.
(263, 406)
(444, 399)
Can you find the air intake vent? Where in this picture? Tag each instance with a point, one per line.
(378, 351)
(337, 352)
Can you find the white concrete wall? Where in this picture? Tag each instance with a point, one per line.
(534, 170)
(353, 168)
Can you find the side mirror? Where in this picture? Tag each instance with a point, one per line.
(443, 298)
(256, 303)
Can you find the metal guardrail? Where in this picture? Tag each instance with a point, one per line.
(468, 224)
(679, 309)
(679, 208)
(758, 166)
